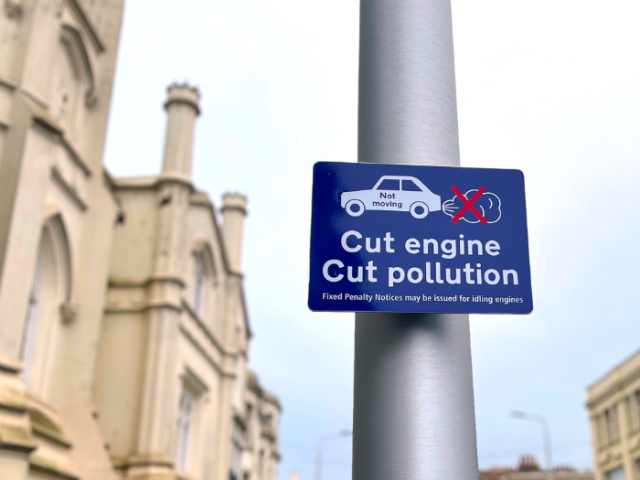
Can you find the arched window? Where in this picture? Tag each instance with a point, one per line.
(72, 83)
(237, 446)
(184, 428)
(50, 289)
(188, 425)
(199, 284)
(203, 280)
(31, 322)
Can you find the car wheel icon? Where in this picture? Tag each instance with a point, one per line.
(419, 210)
(355, 208)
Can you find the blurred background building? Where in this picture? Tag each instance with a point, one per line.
(614, 410)
(124, 332)
(528, 469)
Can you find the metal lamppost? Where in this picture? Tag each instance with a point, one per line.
(546, 437)
(414, 416)
(321, 440)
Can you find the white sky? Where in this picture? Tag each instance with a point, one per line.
(550, 87)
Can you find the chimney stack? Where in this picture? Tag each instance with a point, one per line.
(234, 211)
(182, 108)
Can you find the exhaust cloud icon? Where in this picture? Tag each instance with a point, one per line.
(488, 205)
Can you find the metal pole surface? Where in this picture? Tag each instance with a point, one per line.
(413, 400)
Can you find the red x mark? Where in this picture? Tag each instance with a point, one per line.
(468, 204)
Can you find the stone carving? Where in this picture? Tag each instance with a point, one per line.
(266, 419)
(68, 312)
(59, 8)
(91, 99)
(13, 8)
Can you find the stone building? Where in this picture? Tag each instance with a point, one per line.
(614, 410)
(124, 331)
(544, 475)
(528, 469)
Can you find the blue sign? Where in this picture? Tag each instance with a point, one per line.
(401, 238)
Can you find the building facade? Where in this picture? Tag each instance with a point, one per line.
(544, 475)
(124, 332)
(541, 475)
(505, 474)
(614, 411)
(528, 469)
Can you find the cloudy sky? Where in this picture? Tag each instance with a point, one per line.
(549, 87)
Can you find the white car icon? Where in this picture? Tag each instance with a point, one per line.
(393, 193)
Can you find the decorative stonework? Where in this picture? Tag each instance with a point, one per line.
(60, 10)
(91, 99)
(10, 365)
(88, 4)
(68, 312)
(13, 8)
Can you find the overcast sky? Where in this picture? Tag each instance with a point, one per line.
(549, 87)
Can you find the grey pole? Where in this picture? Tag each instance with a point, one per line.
(546, 438)
(413, 401)
(320, 442)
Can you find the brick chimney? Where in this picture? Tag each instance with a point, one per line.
(528, 463)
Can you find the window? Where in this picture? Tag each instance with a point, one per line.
(602, 431)
(49, 290)
(199, 280)
(638, 468)
(617, 474)
(389, 184)
(611, 418)
(203, 282)
(237, 443)
(267, 420)
(634, 410)
(185, 425)
(249, 420)
(27, 349)
(608, 426)
(410, 186)
(72, 84)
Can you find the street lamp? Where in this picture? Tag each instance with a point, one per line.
(321, 440)
(546, 437)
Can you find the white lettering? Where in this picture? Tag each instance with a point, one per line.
(412, 246)
(412, 277)
(345, 245)
(375, 249)
(392, 275)
(493, 248)
(325, 271)
(513, 273)
(353, 279)
(370, 268)
(448, 249)
(489, 280)
(387, 241)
